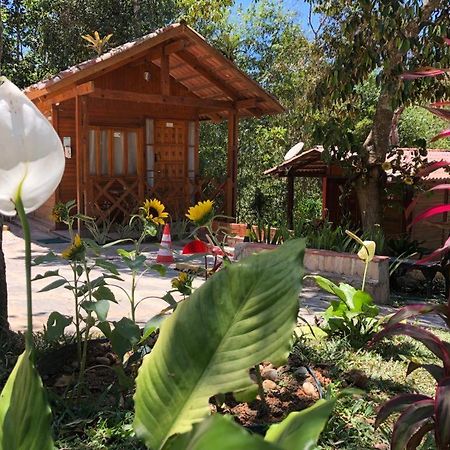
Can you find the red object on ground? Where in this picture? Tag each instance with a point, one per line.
(194, 247)
(165, 255)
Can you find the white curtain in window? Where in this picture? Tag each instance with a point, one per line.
(92, 152)
(103, 152)
(118, 152)
(132, 153)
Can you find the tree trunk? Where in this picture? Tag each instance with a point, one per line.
(4, 326)
(369, 199)
(369, 187)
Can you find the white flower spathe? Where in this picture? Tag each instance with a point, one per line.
(31, 153)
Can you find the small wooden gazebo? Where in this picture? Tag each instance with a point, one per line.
(309, 164)
(432, 233)
(129, 121)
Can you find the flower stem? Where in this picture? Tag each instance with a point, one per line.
(27, 237)
(77, 312)
(259, 380)
(364, 277)
(132, 298)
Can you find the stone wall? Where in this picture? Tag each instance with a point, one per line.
(339, 267)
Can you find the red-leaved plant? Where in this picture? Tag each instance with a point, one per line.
(421, 414)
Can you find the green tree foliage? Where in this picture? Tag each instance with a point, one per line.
(200, 13)
(268, 44)
(417, 124)
(16, 62)
(365, 37)
(43, 37)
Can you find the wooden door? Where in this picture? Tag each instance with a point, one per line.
(170, 167)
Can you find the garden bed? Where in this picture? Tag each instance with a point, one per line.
(104, 422)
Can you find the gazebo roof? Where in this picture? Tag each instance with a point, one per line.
(194, 63)
(307, 164)
(310, 164)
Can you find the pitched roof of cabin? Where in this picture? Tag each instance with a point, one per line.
(194, 63)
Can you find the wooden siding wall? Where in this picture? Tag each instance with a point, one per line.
(393, 218)
(44, 213)
(334, 188)
(431, 236)
(111, 113)
(131, 78)
(66, 128)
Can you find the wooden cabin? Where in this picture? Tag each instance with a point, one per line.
(432, 233)
(129, 121)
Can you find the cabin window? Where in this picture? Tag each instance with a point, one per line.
(113, 152)
(191, 150)
(150, 150)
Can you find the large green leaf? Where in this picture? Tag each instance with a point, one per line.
(243, 315)
(328, 286)
(219, 432)
(25, 417)
(301, 430)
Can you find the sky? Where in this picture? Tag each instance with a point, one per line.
(299, 7)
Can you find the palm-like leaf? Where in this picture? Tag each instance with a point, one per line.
(397, 404)
(410, 421)
(25, 416)
(442, 135)
(431, 341)
(243, 315)
(442, 412)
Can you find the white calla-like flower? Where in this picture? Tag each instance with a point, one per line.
(367, 251)
(31, 153)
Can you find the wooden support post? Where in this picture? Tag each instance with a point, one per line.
(324, 197)
(165, 73)
(55, 124)
(290, 201)
(81, 129)
(232, 156)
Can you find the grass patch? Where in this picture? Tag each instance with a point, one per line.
(380, 372)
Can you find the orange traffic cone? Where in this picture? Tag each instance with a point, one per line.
(165, 250)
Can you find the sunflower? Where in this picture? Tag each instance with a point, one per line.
(153, 211)
(408, 180)
(183, 283)
(386, 166)
(201, 213)
(75, 251)
(60, 213)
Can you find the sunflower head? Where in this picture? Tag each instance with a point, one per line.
(183, 283)
(408, 180)
(75, 251)
(153, 211)
(201, 213)
(60, 213)
(386, 166)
